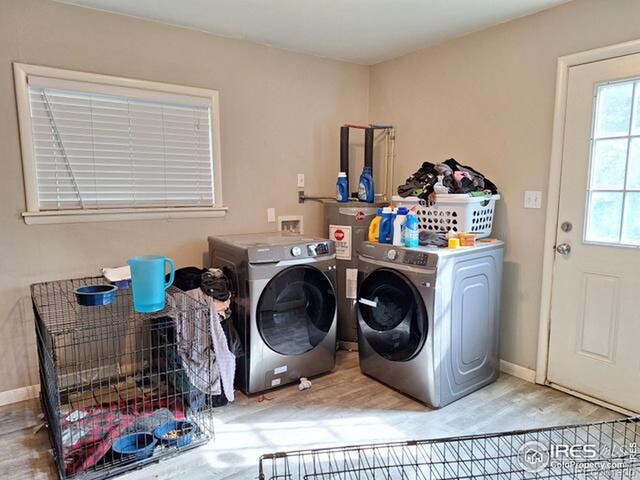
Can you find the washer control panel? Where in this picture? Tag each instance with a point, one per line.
(315, 249)
(273, 248)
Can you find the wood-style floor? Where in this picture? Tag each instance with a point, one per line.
(342, 408)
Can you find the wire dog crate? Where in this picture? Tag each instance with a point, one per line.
(607, 450)
(120, 389)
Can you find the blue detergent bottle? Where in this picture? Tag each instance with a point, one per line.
(365, 188)
(386, 225)
(342, 188)
(394, 215)
(412, 230)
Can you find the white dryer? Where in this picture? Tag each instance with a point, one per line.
(284, 305)
(429, 319)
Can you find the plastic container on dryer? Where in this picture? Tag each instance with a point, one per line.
(399, 224)
(412, 230)
(386, 225)
(374, 227)
(456, 213)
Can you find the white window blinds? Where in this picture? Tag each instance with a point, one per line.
(101, 146)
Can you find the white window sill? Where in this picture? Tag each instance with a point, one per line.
(123, 214)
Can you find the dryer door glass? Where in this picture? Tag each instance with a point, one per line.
(393, 318)
(296, 310)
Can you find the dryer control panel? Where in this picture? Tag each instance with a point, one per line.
(419, 259)
(399, 255)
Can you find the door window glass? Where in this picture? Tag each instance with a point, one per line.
(296, 310)
(613, 205)
(631, 230)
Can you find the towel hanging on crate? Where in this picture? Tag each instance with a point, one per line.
(226, 361)
(209, 362)
(195, 348)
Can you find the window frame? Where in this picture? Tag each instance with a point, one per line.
(33, 213)
(593, 139)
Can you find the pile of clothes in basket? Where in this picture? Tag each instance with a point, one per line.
(446, 177)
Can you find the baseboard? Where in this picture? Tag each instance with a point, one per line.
(19, 395)
(518, 371)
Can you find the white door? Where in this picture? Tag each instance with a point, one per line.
(595, 312)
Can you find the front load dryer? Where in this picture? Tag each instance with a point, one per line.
(284, 307)
(429, 319)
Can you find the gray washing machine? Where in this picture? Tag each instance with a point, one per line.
(284, 305)
(429, 319)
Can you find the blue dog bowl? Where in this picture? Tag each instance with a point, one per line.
(92, 295)
(185, 431)
(135, 446)
(122, 284)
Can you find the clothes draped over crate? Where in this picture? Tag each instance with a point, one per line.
(194, 346)
(454, 177)
(208, 355)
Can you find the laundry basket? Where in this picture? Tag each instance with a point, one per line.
(454, 213)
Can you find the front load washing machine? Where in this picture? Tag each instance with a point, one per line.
(429, 319)
(284, 305)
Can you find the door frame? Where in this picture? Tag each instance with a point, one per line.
(553, 204)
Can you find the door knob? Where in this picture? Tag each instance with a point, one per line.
(563, 249)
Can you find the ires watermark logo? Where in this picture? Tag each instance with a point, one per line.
(534, 457)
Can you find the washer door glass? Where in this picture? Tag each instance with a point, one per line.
(393, 318)
(296, 310)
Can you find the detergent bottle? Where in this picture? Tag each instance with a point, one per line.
(398, 226)
(394, 214)
(342, 194)
(412, 230)
(365, 188)
(386, 225)
(374, 227)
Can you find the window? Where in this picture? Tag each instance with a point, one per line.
(613, 214)
(99, 147)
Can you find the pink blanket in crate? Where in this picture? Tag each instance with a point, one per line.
(88, 434)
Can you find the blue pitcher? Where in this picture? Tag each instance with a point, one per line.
(148, 281)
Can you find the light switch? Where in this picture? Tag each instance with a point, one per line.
(532, 199)
(301, 180)
(271, 215)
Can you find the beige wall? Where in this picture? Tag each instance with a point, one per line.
(280, 115)
(487, 99)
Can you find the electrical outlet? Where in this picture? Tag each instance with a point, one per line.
(532, 199)
(271, 215)
(301, 180)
